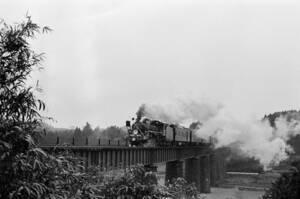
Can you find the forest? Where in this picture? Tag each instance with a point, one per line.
(81, 136)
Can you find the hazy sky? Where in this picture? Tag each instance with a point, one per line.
(106, 57)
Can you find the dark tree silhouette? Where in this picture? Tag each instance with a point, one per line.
(26, 171)
(87, 130)
(19, 117)
(113, 133)
(290, 115)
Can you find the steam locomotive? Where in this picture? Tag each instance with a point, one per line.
(150, 133)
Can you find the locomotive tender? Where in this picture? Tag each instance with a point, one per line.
(150, 133)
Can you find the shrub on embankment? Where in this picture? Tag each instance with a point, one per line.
(287, 186)
(136, 183)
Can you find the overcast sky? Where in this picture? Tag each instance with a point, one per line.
(106, 57)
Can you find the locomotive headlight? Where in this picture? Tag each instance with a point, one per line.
(135, 132)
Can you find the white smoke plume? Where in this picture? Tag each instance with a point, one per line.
(180, 112)
(255, 138)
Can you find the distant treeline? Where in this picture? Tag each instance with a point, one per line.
(290, 115)
(248, 164)
(79, 135)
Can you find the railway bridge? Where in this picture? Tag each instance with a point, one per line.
(199, 164)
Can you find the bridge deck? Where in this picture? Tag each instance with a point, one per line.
(122, 156)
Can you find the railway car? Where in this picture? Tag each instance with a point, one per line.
(150, 133)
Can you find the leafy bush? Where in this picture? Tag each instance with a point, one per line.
(137, 183)
(286, 187)
(26, 171)
(179, 188)
(134, 182)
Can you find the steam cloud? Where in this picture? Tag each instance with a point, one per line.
(254, 138)
(180, 112)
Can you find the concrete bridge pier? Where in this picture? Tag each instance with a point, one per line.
(197, 170)
(213, 170)
(174, 169)
(204, 174)
(192, 171)
(220, 168)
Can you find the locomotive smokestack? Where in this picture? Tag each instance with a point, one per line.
(141, 112)
(195, 125)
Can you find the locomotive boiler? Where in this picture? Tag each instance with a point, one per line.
(149, 133)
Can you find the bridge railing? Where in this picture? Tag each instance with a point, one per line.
(83, 141)
(94, 141)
